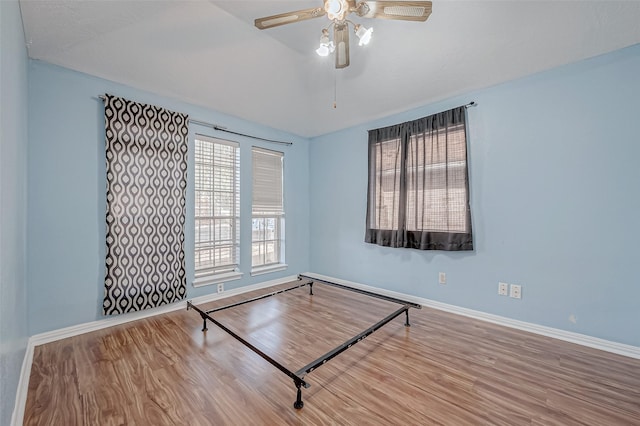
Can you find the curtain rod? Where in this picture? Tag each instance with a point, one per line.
(224, 129)
(471, 104)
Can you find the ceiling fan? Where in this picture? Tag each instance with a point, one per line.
(337, 12)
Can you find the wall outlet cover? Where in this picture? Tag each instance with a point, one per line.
(515, 291)
(503, 289)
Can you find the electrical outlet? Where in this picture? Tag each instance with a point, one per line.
(442, 278)
(220, 287)
(515, 291)
(503, 289)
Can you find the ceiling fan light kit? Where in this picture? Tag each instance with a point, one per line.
(337, 12)
(326, 46)
(363, 34)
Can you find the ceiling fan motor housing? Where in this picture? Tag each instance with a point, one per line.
(336, 9)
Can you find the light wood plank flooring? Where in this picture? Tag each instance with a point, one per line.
(443, 370)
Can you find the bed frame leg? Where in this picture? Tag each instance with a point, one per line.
(204, 323)
(407, 320)
(311, 289)
(298, 404)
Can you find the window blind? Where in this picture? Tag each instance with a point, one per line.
(267, 182)
(217, 201)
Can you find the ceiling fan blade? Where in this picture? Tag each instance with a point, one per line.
(341, 40)
(288, 18)
(403, 10)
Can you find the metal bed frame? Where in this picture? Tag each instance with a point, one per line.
(298, 376)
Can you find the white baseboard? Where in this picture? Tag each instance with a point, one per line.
(39, 339)
(567, 336)
(23, 387)
(63, 333)
(51, 336)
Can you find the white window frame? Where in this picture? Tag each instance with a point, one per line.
(275, 213)
(215, 274)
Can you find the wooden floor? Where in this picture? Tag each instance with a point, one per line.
(443, 370)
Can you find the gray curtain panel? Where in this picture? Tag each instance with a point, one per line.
(418, 193)
(146, 154)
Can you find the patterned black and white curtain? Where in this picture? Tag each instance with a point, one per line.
(146, 152)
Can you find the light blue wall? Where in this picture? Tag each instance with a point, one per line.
(13, 181)
(554, 190)
(555, 197)
(67, 194)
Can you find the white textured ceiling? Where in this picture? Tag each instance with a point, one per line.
(210, 54)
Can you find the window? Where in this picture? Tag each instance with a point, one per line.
(267, 224)
(418, 184)
(217, 208)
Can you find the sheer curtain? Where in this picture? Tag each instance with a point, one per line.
(146, 154)
(418, 193)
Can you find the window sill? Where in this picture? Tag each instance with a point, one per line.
(216, 279)
(268, 269)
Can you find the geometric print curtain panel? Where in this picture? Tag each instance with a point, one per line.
(146, 154)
